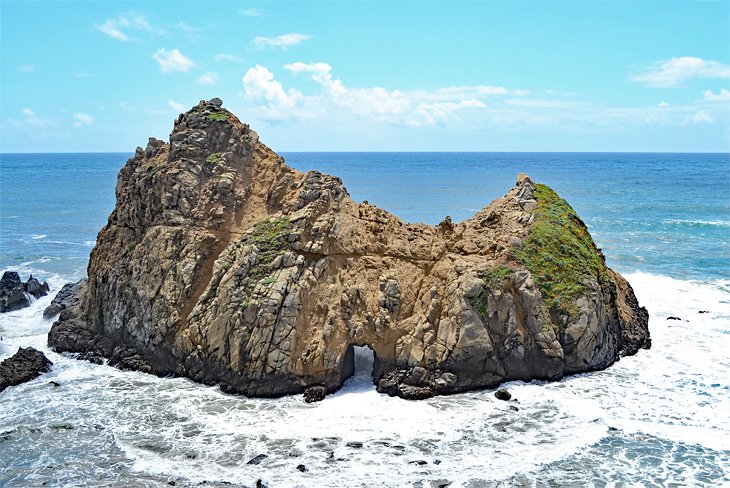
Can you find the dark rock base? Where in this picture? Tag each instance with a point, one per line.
(26, 364)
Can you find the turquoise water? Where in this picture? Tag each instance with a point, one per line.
(659, 418)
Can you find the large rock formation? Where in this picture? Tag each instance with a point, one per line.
(222, 264)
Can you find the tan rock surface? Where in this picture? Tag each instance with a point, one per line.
(222, 264)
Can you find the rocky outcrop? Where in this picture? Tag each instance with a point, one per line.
(14, 294)
(222, 264)
(67, 296)
(26, 364)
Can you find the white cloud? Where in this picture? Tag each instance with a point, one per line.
(702, 117)
(228, 57)
(27, 68)
(723, 96)
(251, 12)
(81, 119)
(520, 93)
(663, 104)
(132, 21)
(411, 108)
(176, 106)
(673, 72)
(260, 86)
(30, 119)
(208, 78)
(170, 61)
(283, 41)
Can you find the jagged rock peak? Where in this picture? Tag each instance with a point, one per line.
(222, 264)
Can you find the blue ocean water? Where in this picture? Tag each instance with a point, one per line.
(659, 418)
(660, 213)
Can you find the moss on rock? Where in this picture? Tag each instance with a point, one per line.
(270, 236)
(560, 253)
(493, 278)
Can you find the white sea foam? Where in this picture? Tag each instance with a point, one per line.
(624, 425)
(38, 236)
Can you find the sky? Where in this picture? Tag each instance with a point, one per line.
(370, 76)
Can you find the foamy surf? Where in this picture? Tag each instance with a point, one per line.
(653, 418)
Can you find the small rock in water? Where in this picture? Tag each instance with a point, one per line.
(315, 394)
(502, 394)
(260, 484)
(673, 318)
(54, 383)
(356, 445)
(436, 461)
(512, 407)
(419, 462)
(25, 365)
(171, 483)
(258, 459)
(302, 468)
(704, 311)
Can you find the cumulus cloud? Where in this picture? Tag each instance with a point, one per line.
(412, 107)
(81, 119)
(723, 96)
(663, 104)
(115, 28)
(176, 106)
(260, 87)
(208, 78)
(674, 72)
(170, 61)
(702, 117)
(283, 41)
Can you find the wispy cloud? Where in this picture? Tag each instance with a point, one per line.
(115, 28)
(702, 117)
(81, 119)
(228, 57)
(176, 106)
(251, 12)
(674, 72)
(82, 75)
(173, 60)
(663, 104)
(283, 41)
(208, 78)
(27, 68)
(723, 96)
(30, 119)
(541, 104)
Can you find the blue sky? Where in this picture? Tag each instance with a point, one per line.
(371, 76)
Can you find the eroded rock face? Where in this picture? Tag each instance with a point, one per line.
(222, 264)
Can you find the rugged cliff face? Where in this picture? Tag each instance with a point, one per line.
(222, 264)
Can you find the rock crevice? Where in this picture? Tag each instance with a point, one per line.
(222, 264)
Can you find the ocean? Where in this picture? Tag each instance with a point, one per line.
(657, 419)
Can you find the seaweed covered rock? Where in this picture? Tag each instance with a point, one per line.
(222, 264)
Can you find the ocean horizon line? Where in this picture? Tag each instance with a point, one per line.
(13, 153)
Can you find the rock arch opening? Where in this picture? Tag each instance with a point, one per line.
(358, 362)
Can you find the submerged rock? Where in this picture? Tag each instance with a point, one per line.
(222, 264)
(14, 294)
(502, 394)
(26, 364)
(315, 393)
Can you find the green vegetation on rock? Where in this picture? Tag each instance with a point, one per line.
(270, 236)
(493, 278)
(213, 158)
(560, 253)
(217, 116)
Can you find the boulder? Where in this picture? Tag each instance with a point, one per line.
(502, 394)
(26, 364)
(66, 297)
(315, 393)
(222, 264)
(14, 294)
